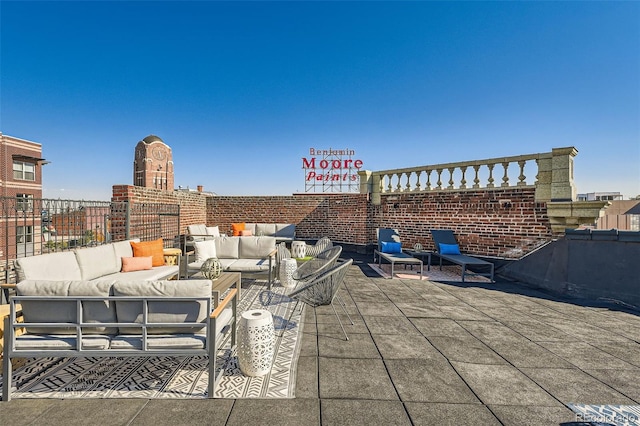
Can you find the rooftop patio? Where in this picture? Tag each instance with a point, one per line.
(420, 352)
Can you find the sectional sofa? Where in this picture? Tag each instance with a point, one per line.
(102, 262)
(283, 232)
(112, 319)
(248, 255)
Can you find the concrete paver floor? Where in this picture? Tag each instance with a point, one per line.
(420, 353)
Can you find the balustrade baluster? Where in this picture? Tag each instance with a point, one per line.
(463, 182)
(505, 178)
(476, 179)
(490, 180)
(451, 170)
(439, 179)
(390, 176)
(428, 180)
(408, 185)
(399, 186)
(522, 177)
(418, 173)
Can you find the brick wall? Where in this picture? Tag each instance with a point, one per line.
(341, 217)
(192, 204)
(499, 222)
(505, 223)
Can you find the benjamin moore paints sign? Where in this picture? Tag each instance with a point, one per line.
(331, 170)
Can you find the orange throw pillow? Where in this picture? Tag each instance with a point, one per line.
(130, 264)
(149, 248)
(237, 227)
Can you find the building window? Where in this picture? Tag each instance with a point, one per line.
(24, 234)
(24, 202)
(24, 171)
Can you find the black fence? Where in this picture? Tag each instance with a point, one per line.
(32, 226)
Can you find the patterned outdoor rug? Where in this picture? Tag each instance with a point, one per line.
(174, 377)
(448, 273)
(618, 415)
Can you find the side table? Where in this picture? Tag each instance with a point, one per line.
(421, 255)
(172, 256)
(298, 249)
(256, 342)
(287, 268)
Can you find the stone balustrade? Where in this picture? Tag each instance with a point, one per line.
(550, 173)
(537, 170)
(490, 173)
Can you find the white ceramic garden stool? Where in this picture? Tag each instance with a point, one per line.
(256, 342)
(298, 249)
(287, 268)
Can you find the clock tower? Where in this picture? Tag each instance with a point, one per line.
(153, 164)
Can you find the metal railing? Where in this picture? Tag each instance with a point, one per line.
(33, 226)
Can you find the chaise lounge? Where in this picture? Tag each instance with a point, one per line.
(390, 249)
(447, 248)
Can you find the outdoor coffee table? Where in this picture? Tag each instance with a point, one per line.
(225, 281)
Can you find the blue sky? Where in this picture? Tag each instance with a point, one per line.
(241, 90)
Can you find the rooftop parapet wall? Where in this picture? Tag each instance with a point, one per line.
(550, 174)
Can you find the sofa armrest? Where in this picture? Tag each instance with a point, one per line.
(224, 302)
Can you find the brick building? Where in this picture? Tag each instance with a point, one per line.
(153, 164)
(20, 179)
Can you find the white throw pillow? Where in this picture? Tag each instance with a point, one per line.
(204, 250)
(213, 231)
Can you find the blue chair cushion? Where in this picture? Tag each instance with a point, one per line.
(391, 247)
(449, 249)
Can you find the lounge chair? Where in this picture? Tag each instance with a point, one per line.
(447, 248)
(322, 289)
(390, 249)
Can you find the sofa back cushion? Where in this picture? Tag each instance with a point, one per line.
(123, 249)
(169, 311)
(256, 247)
(266, 229)
(227, 247)
(285, 230)
(198, 231)
(213, 231)
(97, 261)
(150, 248)
(51, 266)
(66, 311)
(204, 250)
(250, 227)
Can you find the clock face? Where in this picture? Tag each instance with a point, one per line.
(158, 153)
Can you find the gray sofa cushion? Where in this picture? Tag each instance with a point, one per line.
(169, 311)
(51, 266)
(60, 342)
(256, 247)
(249, 265)
(227, 247)
(173, 341)
(154, 274)
(97, 261)
(65, 311)
(197, 232)
(265, 229)
(123, 249)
